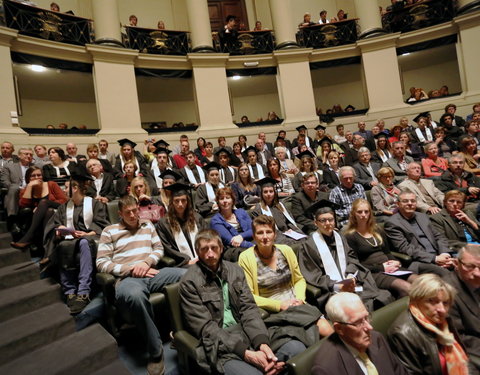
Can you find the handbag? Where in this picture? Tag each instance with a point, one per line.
(152, 212)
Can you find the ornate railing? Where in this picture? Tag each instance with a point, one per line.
(45, 24)
(419, 15)
(163, 42)
(246, 43)
(328, 34)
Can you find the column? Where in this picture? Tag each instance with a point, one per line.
(116, 91)
(107, 23)
(211, 91)
(8, 102)
(467, 6)
(283, 24)
(468, 53)
(369, 18)
(382, 74)
(199, 21)
(295, 87)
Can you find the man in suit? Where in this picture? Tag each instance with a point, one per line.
(465, 310)
(351, 153)
(456, 178)
(102, 187)
(411, 233)
(429, 198)
(354, 348)
(365, 170)
(7, 156)
(457, 120)
(267, 145)
(72, 153)
(104, 154)
(398, 162)
(13, 178)
(263, 155)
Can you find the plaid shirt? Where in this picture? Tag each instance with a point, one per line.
(344, 198)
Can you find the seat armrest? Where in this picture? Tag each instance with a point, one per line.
(186, 343)
(166, 262)
(104, 279)
(106, 282)
(313, 292)
(405, 259)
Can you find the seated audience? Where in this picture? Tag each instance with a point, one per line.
(423, 337)
(245, 190)
(92, 153)
(344, 194)
(284, 185)
(383, 151)
(465, 310)
(169, 177)
(102, 187)
(235, 338)
(366, 170)
(161, 25)
(371, 246)
(238, 154)
(123, 183)
(263, 154)
(327, 261)
(398, 162)
(133, 20)
(222, 143)
(228, 174)
(324, 148)
(341, 16)
(456, 178)
(130, 250)
(422, 134)
(160, 165)
(452, 132)
(41, 157)
(72, 233)
(129, 154)
(192, 173)
(209, 157)
(72, 153)
(340, 136)
(451, 109)
(178, 229)
(412, 149)
(277, 285)
(457, 225)
(307, 165)
(323, 17)
(60, 168)
(302, 131)
(257, 170)
(412, 233)
(43, 198)
(149, 149)
(354, 348)
(287, 166)
(362, 130)
(140, 190)
(433, 165)
(205, 200)
(258, 26)
(307, 20)
(104, 154)
(234, 225)
(476, 111)
(303, 200)
(445, 146)
(384, 195)
(331, 171)
(468, 148)
(200, 150)
(429, 198)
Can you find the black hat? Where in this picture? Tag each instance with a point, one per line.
(349, 107)
(161, 143)
(168, 173)
(250, 148)
(160, 150)
(305, 153)
(325, 139)
(320, 204)
(265, 181)
(179, 189)
(423, 114)
(326, 118)
(224, 151)
(280, 138)
(211, 166)
(80, 175)
(125, 141)
(320, 127)
(301, 127)
(381, 134)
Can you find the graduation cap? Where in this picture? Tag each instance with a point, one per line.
(380, 135)
(168, 173)
(325, 139)
(80, 176)
(160, 150)
(349, 107)
(179, 189)
(327, 119)
(266, 181)
(301, 127)
(212, 166)
(125, 141)
(280, 138)
(423, 114)
(304, 154)
(161, 143)
(321, 204)
(250, 148)
(224, 151)
(320, 127)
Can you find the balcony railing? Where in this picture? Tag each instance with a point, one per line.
(328, 34)
(245, 42)
(163, 42)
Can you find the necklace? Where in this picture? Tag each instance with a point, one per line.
(374, 244)
(261, 256)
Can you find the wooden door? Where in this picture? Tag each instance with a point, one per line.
(220, 9)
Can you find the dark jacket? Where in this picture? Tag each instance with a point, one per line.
(446, 182)
(107, 190)
(201, 299)
(415, 346)
(363, 177)
(300, 203)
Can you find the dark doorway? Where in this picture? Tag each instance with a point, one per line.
(220, 9)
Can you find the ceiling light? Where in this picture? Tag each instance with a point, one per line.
(250, 64)
(406, 54)
(235, 78)
(38, 68)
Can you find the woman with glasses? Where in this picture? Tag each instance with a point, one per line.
(423, 337)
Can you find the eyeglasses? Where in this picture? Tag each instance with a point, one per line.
(359, 323)
(408, 200)
(469, 266)
(326, 220)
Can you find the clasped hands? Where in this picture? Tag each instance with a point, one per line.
(264, 360)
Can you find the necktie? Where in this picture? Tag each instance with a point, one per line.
(371, 369)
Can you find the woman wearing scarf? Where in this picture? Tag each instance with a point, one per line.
(177, 230)
(423, 337)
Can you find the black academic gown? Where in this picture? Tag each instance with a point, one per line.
(62, 251)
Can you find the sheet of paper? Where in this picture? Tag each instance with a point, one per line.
(295, 235)
(398, 273)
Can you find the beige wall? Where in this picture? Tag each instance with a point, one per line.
(170, 112)
(148, 12)
(255, 106)
(40, 113)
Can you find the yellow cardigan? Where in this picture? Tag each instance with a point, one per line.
(248, 262)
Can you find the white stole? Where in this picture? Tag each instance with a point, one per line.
(420, 136)
(307, 141)
(329, 264)
(259, 170)
(223, 175)
(57, 169)
(191, 176)
(268, 212)
(383, 155)
(182, 242)
(211, 192)
(87, 214)
(156, 173)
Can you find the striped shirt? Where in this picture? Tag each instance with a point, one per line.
(344, 198)
(120, 249)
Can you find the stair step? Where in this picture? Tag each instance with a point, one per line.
(117, 367)
(9, 256)
(17, 274)
(30, 331)
(3, 228)
(82, 352)
(28, 297)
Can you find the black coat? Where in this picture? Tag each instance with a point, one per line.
(300, 202)
(107, 190)
(363, 176)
